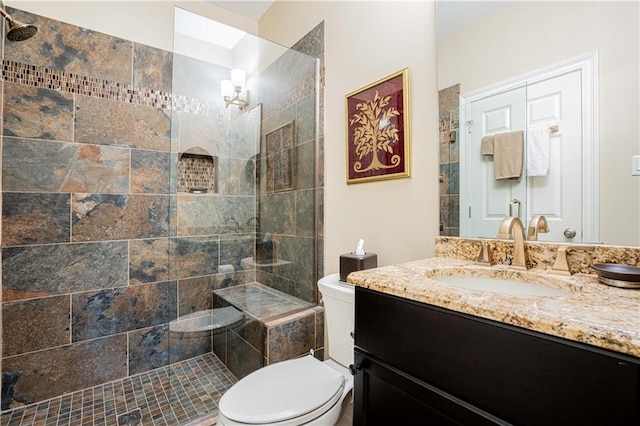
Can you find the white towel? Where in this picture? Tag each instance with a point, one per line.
(538, 151)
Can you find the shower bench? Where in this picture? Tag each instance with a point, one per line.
(269, 326)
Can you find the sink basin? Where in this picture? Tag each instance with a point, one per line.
(498, 285)
(504, 281)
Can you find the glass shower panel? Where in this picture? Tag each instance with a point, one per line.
(286, 241)
(243, 245)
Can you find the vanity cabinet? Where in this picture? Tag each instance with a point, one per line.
(421, 364)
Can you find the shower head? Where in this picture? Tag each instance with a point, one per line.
(18, 31)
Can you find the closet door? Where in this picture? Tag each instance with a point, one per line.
(490, 198)
(554, 105)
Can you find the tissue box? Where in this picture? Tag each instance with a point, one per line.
(350, 262)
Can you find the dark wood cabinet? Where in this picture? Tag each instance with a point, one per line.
(387, 396)
(421, 364)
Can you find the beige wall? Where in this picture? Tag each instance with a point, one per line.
(366, 41)
(147, 22)
(533, 35)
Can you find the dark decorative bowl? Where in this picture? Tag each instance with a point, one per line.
(614, 274)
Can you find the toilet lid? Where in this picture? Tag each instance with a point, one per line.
(281, 391)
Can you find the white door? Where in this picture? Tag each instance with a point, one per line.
(491, 199)
(549, 103)
(558, 196)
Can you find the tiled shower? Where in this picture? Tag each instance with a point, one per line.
(103, 246)
(449, 161)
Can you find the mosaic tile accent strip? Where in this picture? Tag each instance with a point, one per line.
(48, 78)
(171, 395)
(44, 77)
(197, 106)
(285, 98)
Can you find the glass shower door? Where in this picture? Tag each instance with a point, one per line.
(243, 248)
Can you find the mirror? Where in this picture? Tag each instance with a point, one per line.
(482, 45)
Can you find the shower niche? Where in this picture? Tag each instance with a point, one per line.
(197, 171)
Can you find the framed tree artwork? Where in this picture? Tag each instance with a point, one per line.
(378, 130)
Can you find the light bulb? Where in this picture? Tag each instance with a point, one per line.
(238, 77)
(226, 88)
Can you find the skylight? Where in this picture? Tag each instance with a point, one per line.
(199, 27)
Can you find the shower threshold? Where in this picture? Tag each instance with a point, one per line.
(178, 394)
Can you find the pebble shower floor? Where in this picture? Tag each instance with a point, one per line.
(167, 396)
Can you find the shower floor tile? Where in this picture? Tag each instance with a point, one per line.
(173, 395)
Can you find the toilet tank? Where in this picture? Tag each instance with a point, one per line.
(339, 307)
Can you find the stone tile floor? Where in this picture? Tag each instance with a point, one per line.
(182, 393)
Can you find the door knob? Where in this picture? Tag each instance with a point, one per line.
(569, 232)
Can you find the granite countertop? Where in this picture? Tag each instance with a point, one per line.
(590, 312)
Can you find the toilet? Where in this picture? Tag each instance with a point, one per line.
(304, 390)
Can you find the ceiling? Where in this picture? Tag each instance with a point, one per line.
(249, 9)
(454, 15)
(451, 15)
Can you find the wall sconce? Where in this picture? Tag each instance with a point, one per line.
(231, 89)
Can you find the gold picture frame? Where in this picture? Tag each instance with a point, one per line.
(378, 126)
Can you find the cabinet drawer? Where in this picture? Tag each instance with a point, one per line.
(387, 396)
(520, 376)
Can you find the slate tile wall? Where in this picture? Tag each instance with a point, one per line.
(99, 251)
(29, 165)
(449, 161)
(275, 326)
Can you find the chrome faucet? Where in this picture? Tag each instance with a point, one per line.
(537, 224)
(513, 225)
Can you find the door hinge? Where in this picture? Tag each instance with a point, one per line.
(469, 123)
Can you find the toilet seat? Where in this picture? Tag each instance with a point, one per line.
(301, 389)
